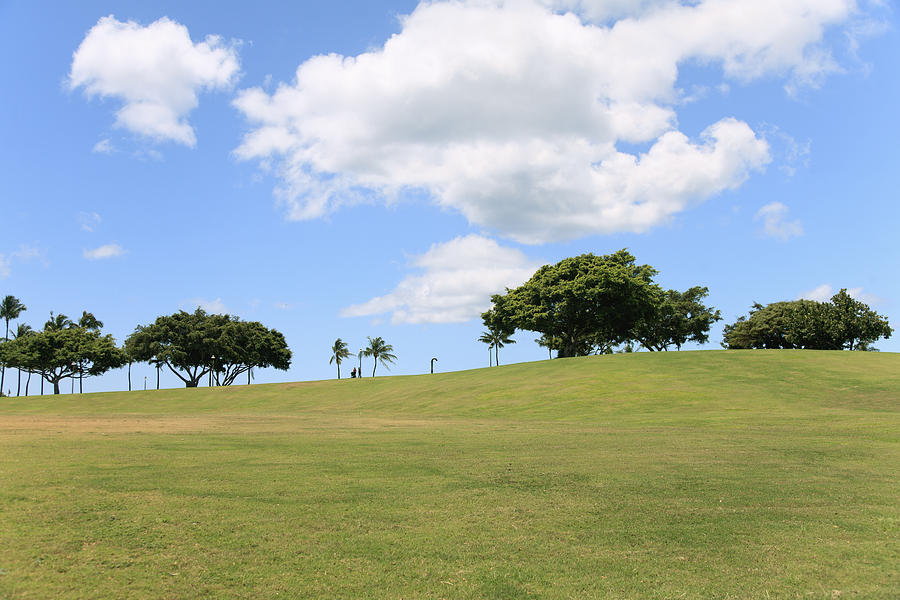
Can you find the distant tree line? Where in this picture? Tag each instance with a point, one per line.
(844, 323)
(190, 345)
(591, 304)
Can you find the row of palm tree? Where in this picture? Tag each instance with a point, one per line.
(378, 349)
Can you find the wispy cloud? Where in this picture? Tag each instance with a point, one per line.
(89, 221)
(216, 306)
(824, 292)
(104, 252)
(24, 254)
(104, 146)
(773, 216)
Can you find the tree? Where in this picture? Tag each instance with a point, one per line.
(379, 351)
(487, 338)
(10, 308)
(193, 345)
(60, 353)
(21, 331)
(499, 332)
(339, 351)
(677, 318)
(58, 322)
(90, 322)
(841, 323)
(855, 324)
(586, 302)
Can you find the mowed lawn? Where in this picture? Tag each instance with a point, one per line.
(751, 474)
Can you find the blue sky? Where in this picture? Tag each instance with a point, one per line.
(424, 156)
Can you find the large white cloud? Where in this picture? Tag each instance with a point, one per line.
(456, 282)
(156, 72)
(514, 112)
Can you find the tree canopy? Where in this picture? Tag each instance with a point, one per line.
(676, 318)
(58, 353)
(194, 344)
(842, 323)
(583, 303)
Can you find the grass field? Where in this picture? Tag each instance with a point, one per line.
(757, 474)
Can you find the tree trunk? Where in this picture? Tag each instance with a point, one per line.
(81, 383)
(191, 383)
(248, 376)
(27, 382)
(497, 355)
(490, 357)
(339, 370)
(375, 367)
(18, 382)
(42, 384)
(56, 387)
(129, 376)
(157, 376)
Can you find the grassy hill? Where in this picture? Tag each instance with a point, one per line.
(757, 474)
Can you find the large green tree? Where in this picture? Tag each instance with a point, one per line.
(676, 318)
(585, 302)
(10, 308)
(57, 354)
(842, 323)
(380, 352)
(192, 345)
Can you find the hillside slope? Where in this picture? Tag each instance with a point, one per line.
(757, 474)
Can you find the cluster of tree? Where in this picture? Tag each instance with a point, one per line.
(590, 304)
(191, 345)
(378, 349)
(62, 349)
(842, 323)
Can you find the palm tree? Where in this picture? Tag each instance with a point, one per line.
(499, 338)
(339, 352)
(91, 323)
(10, 308)
(21, 331)
(487, 338)
(57, 323)
(379, 351)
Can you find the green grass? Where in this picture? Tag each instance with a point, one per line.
(758, 474)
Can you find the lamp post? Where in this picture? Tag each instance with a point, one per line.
(433, 360)
(359, 372)
(212, 369)
(145, 383)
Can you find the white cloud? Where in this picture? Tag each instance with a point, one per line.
(24, 254)
(824, 292)
(89, 221)
(104, 252)
(456, 282)
(512, 113)
(773, 216)
(104, 146)
(156, 71)
(216, 307)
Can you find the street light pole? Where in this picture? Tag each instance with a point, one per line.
(433, 360)
(359, 372)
